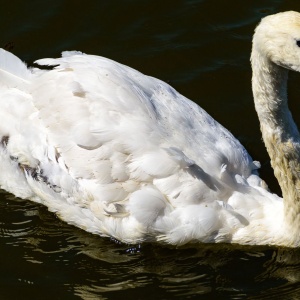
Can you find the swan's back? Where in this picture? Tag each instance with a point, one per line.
(122, 154)
(120, 106)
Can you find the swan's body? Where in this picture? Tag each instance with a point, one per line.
(121, 154)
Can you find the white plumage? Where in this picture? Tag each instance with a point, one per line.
(122, 154)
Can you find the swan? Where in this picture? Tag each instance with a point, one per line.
(123, 155)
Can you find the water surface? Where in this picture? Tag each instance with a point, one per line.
(202, 49)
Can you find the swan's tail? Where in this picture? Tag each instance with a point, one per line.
(13, 72)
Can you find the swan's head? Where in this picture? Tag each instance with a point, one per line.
(277, 38)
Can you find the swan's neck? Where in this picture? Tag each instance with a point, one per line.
(279, 131)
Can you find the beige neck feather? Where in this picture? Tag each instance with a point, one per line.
(279, 131)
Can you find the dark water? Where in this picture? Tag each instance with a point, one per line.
(202, 49)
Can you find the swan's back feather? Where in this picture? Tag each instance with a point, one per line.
(13, 65)
(116, 100)
(13, 72)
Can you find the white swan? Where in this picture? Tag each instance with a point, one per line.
(121, 154)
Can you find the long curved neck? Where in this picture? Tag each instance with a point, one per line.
(279, 131)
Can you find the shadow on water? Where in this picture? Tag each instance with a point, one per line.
(41, 254)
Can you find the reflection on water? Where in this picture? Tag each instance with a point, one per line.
(41, 253)
(201, 48)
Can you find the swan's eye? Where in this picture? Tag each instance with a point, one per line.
(298, 43)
